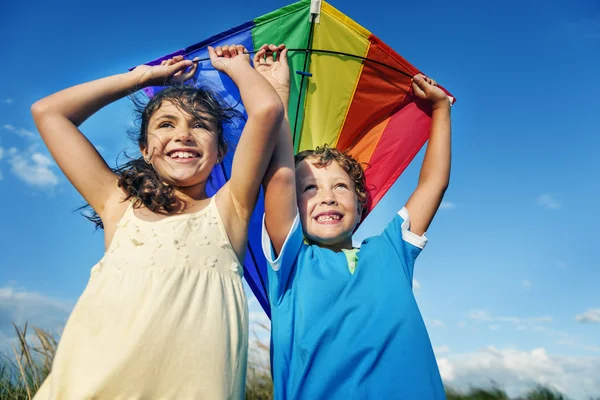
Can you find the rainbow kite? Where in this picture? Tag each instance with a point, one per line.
(348, 90)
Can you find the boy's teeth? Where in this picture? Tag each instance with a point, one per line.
(324, 218)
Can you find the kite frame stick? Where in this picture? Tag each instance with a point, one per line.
(340, 53)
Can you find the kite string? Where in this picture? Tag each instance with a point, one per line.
(308, 50)
(308, 46)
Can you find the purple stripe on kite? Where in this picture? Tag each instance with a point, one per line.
(230, 32)
(159, 60)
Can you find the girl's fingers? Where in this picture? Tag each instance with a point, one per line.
(232, 50)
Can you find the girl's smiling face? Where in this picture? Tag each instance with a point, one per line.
(328, 204)
(183, 149)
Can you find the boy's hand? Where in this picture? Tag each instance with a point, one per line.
(427, 89)
(171, 71)
(276, 72)
(224, 58)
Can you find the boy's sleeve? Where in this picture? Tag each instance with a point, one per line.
(281, 268)
(407, 244)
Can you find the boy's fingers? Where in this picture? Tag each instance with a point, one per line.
(283, 56)
(258, 55)
(417, 89)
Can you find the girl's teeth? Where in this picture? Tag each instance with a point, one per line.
(182, 154)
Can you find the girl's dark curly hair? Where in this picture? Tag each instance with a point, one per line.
(137, 178)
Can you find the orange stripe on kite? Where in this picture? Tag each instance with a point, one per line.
(380, 93)
(363, 150)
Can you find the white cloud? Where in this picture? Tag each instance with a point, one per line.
(526, 284)
(591, 316)
(437, 323)
(19, 131)
(443, 349)
(33, 168)
(1, 152)
(8, 100)
(447, 205)
(517, 371)
(416, 284)
(485, 316)
(20, 306)
(549, 201)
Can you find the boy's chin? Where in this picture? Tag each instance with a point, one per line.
(328, 240)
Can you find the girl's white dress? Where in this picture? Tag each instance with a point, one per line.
(164, 316)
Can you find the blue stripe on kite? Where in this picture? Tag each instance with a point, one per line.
(220, 36)
(255, 266)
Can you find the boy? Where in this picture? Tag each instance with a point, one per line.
(345, 323)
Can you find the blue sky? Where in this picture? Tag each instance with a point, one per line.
(508, 284)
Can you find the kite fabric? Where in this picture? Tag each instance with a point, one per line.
(348, 89)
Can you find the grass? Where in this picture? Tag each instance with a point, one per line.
(23, 372)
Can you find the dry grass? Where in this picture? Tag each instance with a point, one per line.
(22, 374)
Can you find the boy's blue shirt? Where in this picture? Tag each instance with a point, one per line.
(338, 335)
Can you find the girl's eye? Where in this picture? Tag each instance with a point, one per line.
(199, 126)
(310, 187)
(165, 125)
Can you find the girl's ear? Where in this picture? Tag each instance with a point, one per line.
(144, 151)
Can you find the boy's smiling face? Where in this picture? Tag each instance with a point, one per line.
(328, 204)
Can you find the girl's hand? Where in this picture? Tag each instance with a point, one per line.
(276, 72)
(427, 89)
(171, 71)
(224, 58)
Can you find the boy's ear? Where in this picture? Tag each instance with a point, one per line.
(359, 211)
(221, 155)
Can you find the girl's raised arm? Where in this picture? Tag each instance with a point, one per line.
(58, 116)
(255, 147)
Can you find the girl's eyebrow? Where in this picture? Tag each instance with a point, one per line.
(165, 116)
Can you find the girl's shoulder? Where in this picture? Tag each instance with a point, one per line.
(113, 212)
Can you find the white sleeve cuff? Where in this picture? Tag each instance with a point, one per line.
(267, 246)
(407, 235)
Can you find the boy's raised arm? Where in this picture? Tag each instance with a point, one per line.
(435, 171)
(279, 182)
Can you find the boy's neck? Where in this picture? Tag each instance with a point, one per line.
(338, 248)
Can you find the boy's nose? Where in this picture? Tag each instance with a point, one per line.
(328, 199)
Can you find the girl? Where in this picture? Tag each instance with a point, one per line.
(345, 323)
(164, 313)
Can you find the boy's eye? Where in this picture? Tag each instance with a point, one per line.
(165, 124)
(199, 125)
(341, 185)
(310, 187)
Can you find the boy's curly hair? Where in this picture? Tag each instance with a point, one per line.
(325, 154)
(137, 178)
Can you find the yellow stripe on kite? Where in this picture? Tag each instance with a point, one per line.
(334, 78)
